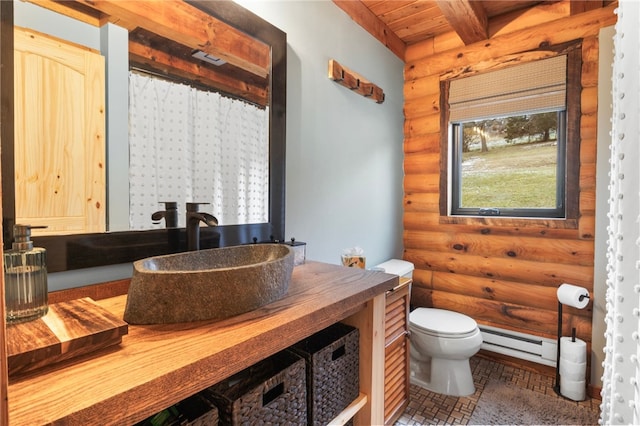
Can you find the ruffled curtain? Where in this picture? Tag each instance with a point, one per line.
(189, 145)
(621, 377)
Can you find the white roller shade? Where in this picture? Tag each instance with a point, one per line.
(528, 88)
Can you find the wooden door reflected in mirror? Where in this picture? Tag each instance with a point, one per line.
(59, 135)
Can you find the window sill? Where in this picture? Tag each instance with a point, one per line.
(511, 221)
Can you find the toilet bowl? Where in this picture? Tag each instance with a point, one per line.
(441, 344)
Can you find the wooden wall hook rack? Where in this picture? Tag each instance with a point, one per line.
(353, 81)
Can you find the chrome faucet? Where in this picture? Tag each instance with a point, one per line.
(194, 217)
(170, 214)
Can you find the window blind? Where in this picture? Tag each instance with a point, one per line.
(528, 88)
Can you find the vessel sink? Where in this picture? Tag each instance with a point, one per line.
(207, 284)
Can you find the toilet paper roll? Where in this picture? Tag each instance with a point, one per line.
(572, 389)
(573, 351)
(575, 371)
(572, 295)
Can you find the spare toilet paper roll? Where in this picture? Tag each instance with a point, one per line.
(572, 295)
(575, 371)
(573, 351)
(572, 389)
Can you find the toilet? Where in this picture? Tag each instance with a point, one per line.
(441, 344)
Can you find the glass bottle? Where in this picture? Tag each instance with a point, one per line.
(25, 278)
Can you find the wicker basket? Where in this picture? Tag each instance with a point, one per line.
(332, 357)
(197, 410)
(272, 391)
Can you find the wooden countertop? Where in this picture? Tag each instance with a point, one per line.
(158, 365)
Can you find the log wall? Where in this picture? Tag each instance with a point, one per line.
(502, 272)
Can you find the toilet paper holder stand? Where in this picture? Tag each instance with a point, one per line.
(556, 386)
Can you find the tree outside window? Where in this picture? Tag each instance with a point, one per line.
(509, 164)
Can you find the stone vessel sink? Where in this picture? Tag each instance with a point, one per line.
(208, 284)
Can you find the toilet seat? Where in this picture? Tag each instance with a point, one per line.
(442, 323)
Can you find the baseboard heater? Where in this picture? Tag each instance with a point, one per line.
(519, 345)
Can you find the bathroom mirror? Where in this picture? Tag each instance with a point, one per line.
(86, 250)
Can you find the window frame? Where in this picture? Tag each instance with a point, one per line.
(573, 50)
(558, 212)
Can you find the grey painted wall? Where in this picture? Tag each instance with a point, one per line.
(344, 152)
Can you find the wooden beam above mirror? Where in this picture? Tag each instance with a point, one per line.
(177, 21)
(151, 52)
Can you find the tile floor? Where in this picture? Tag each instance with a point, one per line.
(428, 408)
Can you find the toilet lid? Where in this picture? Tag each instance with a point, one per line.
(443, 322)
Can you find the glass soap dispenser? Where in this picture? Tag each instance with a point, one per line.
(25, 278)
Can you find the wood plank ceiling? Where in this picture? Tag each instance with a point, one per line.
(399, 23)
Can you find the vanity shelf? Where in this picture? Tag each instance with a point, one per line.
(159, 365)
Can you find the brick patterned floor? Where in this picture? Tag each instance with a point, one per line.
(429, 408)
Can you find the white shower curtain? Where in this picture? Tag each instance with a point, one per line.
(621, 377)
(189, 145)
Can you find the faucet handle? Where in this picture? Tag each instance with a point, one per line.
(193, 207)
(170, 214)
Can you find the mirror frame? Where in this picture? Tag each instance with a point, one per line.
(58, 258)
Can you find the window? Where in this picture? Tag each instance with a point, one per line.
(513, 150)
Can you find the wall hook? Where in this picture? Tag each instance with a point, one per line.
(354, 82)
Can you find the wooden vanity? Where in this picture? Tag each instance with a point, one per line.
(159, 365)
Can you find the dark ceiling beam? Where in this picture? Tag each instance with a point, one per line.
(467, 18)
(579, 6)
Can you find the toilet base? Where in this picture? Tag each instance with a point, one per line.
(446, 376)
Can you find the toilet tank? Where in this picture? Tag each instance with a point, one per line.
(399, 267)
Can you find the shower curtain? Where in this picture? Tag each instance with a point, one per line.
(190, 145)
(621, 377)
